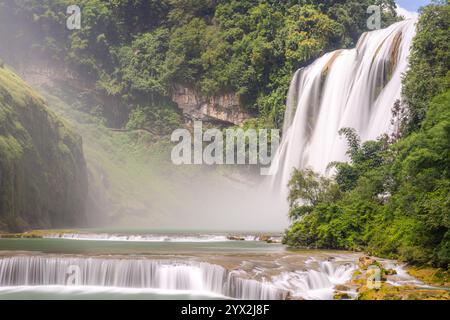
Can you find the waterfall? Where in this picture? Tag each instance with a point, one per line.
(139, 238)
(315, 284)
(133, 273)
(177, 238)
(354, 88)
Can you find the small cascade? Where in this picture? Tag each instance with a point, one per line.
(132, 273)
(187, 238)
(137, 237)
(315, 284)
(248, 289)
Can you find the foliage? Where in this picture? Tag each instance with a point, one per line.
(430, 61)
(312, 190)
(43, 178)
(136, 51)
(394, 195)
(159, 121)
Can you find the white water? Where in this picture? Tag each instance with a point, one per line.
(167, 276)
(315, 284)
(132, 273)
(354, 88)
(157, 237)
(137, 238)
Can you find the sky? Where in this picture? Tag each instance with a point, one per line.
(412, 5)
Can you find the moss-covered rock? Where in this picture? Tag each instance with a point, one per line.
(365, 261)
(431, 276)
(388, 292)
(390, 272)
(341, 296)
(341, 287)
(367, 289)
(43, 177)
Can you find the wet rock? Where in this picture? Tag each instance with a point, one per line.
(341, 296)
(341, 287)
(366, 261)
(236, 238)
(390, 272)
(264, 237)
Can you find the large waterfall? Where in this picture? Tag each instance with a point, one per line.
(354, 88)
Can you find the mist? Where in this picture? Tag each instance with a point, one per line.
(212, 201)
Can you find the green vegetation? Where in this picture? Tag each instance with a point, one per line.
(128, 171)
(429, 74)
(431, 276)
(393, 198)
(135, 52)
(363, 280)
(43, 180)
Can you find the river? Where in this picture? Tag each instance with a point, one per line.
(149, 264)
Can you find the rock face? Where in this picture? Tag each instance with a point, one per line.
(43, 176)
(365, 262)
(223, 109)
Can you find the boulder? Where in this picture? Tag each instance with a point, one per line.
(366, 261)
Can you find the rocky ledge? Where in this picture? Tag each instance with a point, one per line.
(224, 108)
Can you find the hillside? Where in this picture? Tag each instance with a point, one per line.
(43, 179)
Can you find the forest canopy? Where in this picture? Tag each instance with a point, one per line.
(137, 51)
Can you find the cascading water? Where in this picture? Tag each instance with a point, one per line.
(354, 88)
(179, 238)
(315, 284)
(137, 238)
(133, 273)
(317, 281)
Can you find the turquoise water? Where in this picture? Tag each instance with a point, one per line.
(181, 266)
(223, 250)
(97, 293)
(136, 248)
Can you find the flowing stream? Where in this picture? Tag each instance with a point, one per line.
(245, 269)
(170, 275)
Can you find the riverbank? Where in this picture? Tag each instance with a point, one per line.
(378, 280)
